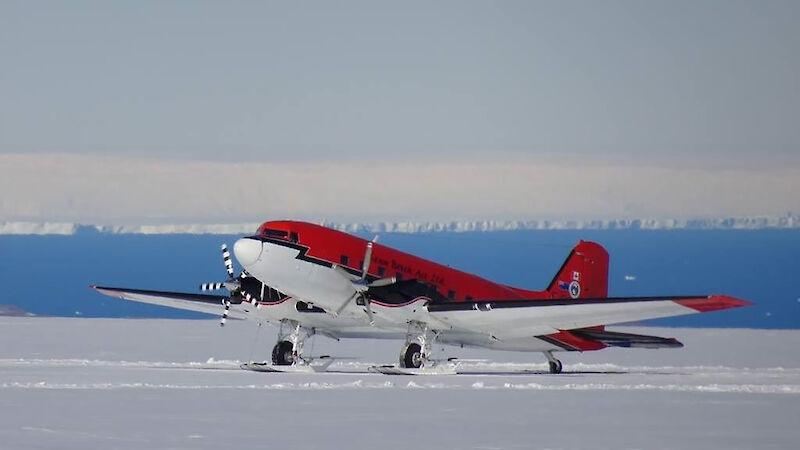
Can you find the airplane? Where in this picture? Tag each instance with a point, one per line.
(310, 279)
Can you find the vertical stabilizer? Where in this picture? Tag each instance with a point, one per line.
(583, 275)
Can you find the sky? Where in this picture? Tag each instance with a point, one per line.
(213, 111)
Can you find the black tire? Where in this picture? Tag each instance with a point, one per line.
(555, 366)
(282, 354)
(412, 357)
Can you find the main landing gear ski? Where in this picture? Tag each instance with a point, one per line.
(415, 355)
(287, 354)
(313, 365)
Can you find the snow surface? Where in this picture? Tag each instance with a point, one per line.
(127, 383)
(788, 221)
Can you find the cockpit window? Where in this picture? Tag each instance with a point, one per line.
(274, 233)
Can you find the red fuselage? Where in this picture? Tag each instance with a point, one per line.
(347, 250)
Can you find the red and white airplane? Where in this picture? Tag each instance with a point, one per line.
(315, 280)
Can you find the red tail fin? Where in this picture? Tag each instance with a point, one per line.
(584, 273)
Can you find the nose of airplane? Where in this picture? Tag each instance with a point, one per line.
(247, 251)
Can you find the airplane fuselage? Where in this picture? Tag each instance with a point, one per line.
(298, 259)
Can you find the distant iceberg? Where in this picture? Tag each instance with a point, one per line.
(64, 228)
(14, 310)
(788, 221)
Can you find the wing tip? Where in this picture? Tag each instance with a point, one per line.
(111, 292)
(714, 303)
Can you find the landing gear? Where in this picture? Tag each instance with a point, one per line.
(287, 354)
(282, 354)
(412, 357)
(291, 338)
(418, 345)
(555, 365)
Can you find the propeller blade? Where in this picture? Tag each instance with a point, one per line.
(343, 272)
(383, 282)
(369, 309)
(211, 286)
(360, 283)
(227, 304)
(346, 302)
(367, 261)
(226, 258)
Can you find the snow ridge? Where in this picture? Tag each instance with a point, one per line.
(787, 221)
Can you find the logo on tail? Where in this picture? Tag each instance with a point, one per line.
(574, 288)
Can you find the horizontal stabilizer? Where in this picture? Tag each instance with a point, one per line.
(628, 340)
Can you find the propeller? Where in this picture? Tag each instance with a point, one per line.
(233, 285)
(360, 283)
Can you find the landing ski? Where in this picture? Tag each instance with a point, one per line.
(315, 365)
(397, 370)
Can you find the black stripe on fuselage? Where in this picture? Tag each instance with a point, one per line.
(560, 269)
(531, 303)
(303, 252)
(304, 256)
(407, 291)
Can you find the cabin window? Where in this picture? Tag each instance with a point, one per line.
(344, 260)
(451, 294)
(293, 237)
(381, 271)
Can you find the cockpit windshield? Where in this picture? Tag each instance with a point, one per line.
(269, 232)
(285, 235)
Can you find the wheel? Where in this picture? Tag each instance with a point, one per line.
(412, 357)
(282, 354)
(555, 366)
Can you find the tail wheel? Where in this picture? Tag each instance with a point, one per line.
(412, 356)
(555, 366)
(282, 354)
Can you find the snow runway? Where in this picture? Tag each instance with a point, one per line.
(102, 383)
(488, 376)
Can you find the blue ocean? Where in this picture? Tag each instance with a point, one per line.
(49, 275)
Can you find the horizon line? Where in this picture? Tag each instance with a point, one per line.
(789, 220)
